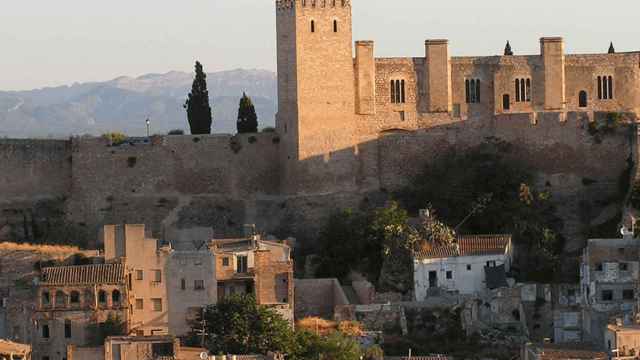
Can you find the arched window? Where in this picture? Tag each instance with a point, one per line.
(61, 299)
(115, 296)
(610, 83)
(102, 297)
(528, 90)
(393, 91)
(506, 102)
(517, 90)
(605, 90)
(313, 26)
(472, 90)
(467, 91)
(335, 26)
(74, 298)
(582, 99)
(46, 298)
(398, 94)
(522, 90)
(599, 88)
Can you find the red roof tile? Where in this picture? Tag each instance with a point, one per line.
(468, 245)
(84, 275)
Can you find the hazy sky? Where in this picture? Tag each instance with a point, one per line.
(49, 43)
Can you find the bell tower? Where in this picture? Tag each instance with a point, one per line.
(316, 94)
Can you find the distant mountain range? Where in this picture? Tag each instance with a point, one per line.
(124, 103)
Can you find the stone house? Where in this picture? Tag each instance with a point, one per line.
(470, 266)
(622, 341)
(73, 298)
(609, 275)
(135, 348)
(252, 265)
(167, 286)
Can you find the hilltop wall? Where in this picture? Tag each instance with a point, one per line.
(220, 182)
(35, 178)
(172, 181)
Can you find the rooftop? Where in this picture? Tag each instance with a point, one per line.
(9, 347)
(577, 351)
(468, 245)
(84, 275)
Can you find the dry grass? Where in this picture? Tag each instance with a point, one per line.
(325, 327)
(48, 249)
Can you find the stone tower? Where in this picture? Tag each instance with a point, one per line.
(316, 95)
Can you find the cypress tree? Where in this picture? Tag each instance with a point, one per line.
(197, 104)
(247, 118)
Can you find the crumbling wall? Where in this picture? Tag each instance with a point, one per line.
(318, 297)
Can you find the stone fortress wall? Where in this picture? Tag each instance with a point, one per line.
(341, 141)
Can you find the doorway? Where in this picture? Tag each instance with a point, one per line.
(433, 279)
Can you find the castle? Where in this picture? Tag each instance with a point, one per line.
(349, 129)
(330, 101)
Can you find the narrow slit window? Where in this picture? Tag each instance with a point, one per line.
(599, 88)
(402, 98)
(478, 90)
(517, 90)
(393, 92)
(313, 26)
(528, 90)
(610, 83)
(522, 90)
(473, 91)
(335, 26)
(467, 91)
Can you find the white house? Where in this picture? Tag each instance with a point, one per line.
(464, 266)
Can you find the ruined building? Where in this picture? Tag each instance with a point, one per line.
(609, 279)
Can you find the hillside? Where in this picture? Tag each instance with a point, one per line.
(123, 104)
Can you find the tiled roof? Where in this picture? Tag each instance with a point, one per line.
(84, 275)
(569, 351)
(468, 245)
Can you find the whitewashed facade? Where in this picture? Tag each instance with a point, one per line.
(460, 267)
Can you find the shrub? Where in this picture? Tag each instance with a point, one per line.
(176, 132)
(115, 138)
(269, 129)
(253, 139)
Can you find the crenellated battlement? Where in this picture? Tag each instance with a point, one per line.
(284, 5)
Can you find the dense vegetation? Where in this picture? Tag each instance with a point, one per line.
(484, 190)
(237, 325)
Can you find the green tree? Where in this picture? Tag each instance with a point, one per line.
(197, 104)
(237, 325)
(115, 138)
(247, 117)
(362, 241)
(493, 183)
(339, 347)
